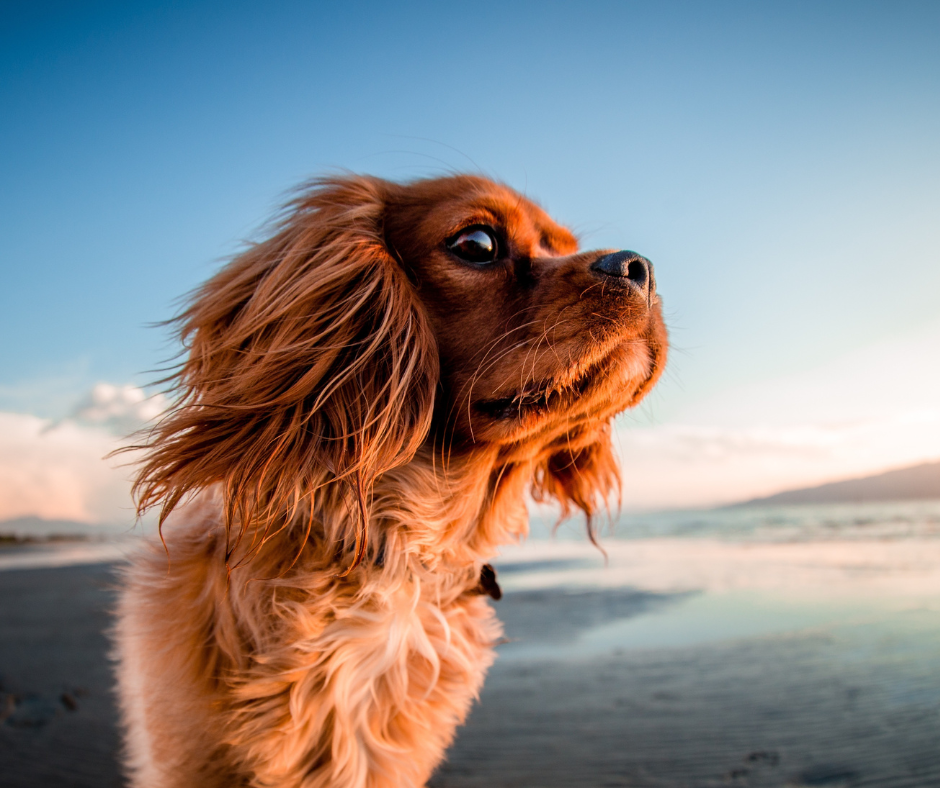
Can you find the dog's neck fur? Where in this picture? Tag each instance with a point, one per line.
(464, 510)
(436, 519)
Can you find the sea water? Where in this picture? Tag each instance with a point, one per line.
(731, 574)
(844, 521)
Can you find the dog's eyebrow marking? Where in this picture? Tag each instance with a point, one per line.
(482, 216)
(558, 240)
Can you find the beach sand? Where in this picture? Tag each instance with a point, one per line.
(619, 686)
(59, 726)
(851, 706)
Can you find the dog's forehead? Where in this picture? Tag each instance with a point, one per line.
(452, 203)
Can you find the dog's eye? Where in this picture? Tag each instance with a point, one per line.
(475, 245)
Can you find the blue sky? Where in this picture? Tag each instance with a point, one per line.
(779, 164)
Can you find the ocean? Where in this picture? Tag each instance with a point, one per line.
(816, 522)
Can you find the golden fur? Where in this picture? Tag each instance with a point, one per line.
(363, 408)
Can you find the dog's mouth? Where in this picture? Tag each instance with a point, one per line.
(536, 399)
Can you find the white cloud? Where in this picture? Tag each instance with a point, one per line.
(119, 409)
(872, 409)
(687, 465)
(59, 470)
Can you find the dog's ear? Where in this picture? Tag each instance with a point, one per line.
(582, 475)
(311, 368)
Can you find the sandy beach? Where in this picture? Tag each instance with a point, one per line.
(843, 706)
(59, 726)
(679, 663)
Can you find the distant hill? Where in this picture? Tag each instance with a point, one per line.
(38, 528)
(904, 484)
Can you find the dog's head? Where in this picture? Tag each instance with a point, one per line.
(535, 338)
(450, 313)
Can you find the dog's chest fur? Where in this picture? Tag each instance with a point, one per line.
(309, 679)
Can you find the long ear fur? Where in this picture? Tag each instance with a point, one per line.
(581, 476)
(310, 369)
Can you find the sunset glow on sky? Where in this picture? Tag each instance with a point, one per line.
(779, 164)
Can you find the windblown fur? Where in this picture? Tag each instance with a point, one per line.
(358, 420)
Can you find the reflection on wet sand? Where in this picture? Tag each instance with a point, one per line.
(704, 662)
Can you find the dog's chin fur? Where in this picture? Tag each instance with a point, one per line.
(355, 435)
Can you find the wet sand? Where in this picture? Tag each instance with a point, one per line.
(857, 705)
(848, 699)
(58, 719)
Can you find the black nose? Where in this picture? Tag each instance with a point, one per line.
(626, 265)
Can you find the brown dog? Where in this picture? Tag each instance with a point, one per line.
(367, 398)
